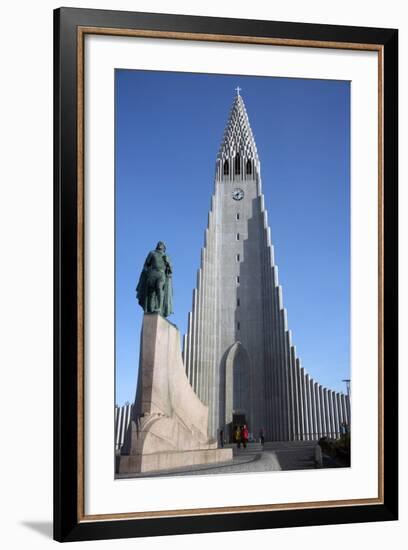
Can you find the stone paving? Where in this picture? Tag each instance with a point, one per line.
(273, 457)
(296, 455)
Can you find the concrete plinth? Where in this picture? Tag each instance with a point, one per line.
(169, 424)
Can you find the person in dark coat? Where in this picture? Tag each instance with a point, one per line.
(237, 436)
(222, 439)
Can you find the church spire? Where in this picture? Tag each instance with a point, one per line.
(238, 350)
(237, 157)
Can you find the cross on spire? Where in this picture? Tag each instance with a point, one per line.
(238, 135)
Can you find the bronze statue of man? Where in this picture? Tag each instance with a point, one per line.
(154, 290)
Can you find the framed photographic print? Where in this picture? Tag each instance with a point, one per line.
(193, 156)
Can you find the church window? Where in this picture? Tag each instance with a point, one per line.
(237, 236)
(238, 325)
(237, 278)
(237, 164)
(237, 215)
(238, 302)
(249, 167)
(238, 257)
(226, 168)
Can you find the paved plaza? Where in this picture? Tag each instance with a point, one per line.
(275, 456)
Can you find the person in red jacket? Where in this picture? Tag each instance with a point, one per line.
(244, 435)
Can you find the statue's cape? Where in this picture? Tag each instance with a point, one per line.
(141, 289)
(168, 298)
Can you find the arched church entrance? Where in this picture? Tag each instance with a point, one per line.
(237, 389)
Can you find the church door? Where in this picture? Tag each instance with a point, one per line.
(237, 386)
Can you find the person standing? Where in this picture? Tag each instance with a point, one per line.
(237, 436)
(244, 435)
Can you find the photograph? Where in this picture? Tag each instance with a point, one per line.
(225, 320)
(223, 363)
(205, 197)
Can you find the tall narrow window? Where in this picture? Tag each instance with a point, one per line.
(237, 236)
(238, 325)
(237, 215)
(249, 167)
(238, 279)
(226, 168)
(238, 302)
(237, 164)
(238, 257)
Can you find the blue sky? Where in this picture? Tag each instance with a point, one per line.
(168, 128)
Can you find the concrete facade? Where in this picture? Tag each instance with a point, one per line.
(122, 419)
(238, 351)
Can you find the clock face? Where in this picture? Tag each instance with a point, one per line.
(237, 194)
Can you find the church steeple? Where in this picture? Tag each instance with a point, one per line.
(238, 350)
(237, 157)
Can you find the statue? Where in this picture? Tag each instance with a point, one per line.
(154, 290)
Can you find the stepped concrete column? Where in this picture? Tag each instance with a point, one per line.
(336, 415)
(313, 409)
(327, 413)
(305, 408)
(295, 393)
(318, 411)
(348, 409)
(322, 411)
(331, 413)
(340, 409)
(344, 409)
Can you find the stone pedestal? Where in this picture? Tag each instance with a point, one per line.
(169, 424)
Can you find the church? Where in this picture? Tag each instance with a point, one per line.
(238, 351)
